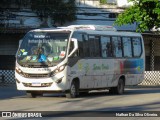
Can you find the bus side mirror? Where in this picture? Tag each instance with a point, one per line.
(75, 47)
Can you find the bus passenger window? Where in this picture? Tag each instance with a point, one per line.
(106, 47)
(71, 47)
(94, 46)
(80, 49)
(127, 46)
(137, 47)
(116, 47)
(97, 45)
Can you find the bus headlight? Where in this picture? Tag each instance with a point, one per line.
(18, 70)
(60, 69)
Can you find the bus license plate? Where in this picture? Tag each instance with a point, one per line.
(36, 84)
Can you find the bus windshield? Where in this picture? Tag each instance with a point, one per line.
(43, 48)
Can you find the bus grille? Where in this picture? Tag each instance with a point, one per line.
(36, 75)
(42, 85)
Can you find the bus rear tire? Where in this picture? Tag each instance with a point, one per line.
(119, 89)
(74, 90)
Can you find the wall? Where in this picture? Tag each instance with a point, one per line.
(88, 2)
(124, 3)
(8, 47)
(111, 1)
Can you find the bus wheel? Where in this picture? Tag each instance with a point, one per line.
(120, 87)
(73, 92)
(31, 94)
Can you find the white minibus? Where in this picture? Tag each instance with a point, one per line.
(79, 58)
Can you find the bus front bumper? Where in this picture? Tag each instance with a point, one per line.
(56, 83)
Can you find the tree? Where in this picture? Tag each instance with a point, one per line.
(146, 13)
(59, 10)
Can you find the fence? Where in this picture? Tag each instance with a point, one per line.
(151, 77)
(9, 77)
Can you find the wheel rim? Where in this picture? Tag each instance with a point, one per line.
(73, 90)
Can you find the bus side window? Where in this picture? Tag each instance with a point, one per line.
(97, 46)
(94, 46)
(116, 47)
(106, 47)
(127, 46)
(86, 46)
(71, 48)
(80, 51)
(82, 45)
(137, 46)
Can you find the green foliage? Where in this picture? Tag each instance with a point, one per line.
(103, 1)
(146, 13)
(64, 12)
(59, 10)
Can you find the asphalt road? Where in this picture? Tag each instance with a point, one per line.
(134, 99)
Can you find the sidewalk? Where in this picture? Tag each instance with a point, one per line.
(144, 86)
(7, 85)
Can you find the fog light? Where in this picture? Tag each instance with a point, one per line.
(59, 80)
(46, 84)
(27, 84)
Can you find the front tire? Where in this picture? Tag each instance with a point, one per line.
(74, 90)
(31, 94)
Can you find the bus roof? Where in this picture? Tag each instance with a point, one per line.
(109, 33)
(90, 29)
(51, 29)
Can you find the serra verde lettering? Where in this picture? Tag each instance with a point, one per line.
(100, 67)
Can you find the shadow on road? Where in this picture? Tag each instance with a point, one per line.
(106, 112)
(10, 92)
